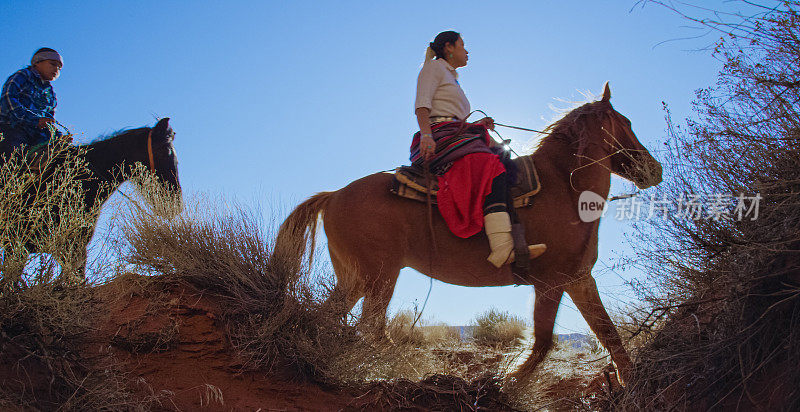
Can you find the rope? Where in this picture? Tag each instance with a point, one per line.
(519, 128)
(429, 202)
(506, 144)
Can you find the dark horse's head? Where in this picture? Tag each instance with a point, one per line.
(114, 159)
(162, 159)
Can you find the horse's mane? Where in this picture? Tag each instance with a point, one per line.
(115, 135)
(574, 128)
(113, 146)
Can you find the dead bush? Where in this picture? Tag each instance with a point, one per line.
(724, 288)
(401, 329)
(274, 318)
(46, 318)
(441, 334)
(437, 393)
(495, 328)
(42, 209)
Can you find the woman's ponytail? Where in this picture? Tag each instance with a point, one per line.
(429, 53)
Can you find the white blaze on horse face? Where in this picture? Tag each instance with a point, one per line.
(591, 206)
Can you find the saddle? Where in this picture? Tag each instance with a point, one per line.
(410, 182)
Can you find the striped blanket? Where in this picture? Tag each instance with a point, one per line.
(453, 141)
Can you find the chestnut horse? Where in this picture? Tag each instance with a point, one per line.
(372, 233)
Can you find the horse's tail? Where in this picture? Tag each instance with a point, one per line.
(297, 231)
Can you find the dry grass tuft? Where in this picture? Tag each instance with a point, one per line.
(437, 393)
(495, 328)
(275, 319)
(401, 329)
(440, 334)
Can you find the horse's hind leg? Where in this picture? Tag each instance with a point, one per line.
(348, 289)
(379, 287)
(545, 308)
(587, 299)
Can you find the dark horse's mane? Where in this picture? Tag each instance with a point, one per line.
(115, 138)
(114, 146)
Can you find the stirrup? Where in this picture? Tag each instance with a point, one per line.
(523, 252)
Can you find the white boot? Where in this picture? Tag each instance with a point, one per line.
(498, 230)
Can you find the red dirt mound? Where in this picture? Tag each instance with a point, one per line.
(177, 345)
(169, 344)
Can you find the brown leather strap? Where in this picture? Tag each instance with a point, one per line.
(150, 151)
(521, 253)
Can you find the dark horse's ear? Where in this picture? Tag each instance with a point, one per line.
(162, 131)
(606, 93)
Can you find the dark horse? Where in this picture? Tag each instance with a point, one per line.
(372, 234)
(110, 162)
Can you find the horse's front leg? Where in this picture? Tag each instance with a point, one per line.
(545, 308)
(586, 298)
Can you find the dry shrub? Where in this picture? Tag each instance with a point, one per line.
(495, 328)
(42, 209)
(274, 318)
(43, 339)
(723, 320)
(46, 319)
(402, 329)
(441, 334)
(437, 393)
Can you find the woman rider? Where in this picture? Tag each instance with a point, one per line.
(473, 184)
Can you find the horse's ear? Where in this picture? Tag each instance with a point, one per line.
(606, 93)
(161, 131)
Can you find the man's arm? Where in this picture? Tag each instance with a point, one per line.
(10, 98)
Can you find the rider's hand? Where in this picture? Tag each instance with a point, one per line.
(427, 147)
(44, 121)
(488, 122)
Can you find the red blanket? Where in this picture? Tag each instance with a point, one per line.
(462, 190)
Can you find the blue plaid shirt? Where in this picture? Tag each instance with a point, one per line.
(26, 98)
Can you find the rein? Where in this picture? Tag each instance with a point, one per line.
(612, 145)
(506, 142)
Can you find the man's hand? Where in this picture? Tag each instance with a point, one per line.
(44, 121)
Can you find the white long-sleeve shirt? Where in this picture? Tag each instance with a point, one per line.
(439, 91)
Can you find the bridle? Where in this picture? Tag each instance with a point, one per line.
(150, 160)
(615, 147)
(150, 151)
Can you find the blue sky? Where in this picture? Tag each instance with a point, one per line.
(275, 101)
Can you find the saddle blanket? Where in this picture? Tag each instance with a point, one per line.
(410, 182)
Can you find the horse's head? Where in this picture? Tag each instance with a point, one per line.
(162, 159)
(629, 158)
